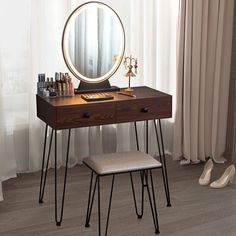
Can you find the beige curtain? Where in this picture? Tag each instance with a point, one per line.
(203, 72)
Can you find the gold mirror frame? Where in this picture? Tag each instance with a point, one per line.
(65, 38)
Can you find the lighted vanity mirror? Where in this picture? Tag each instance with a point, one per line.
(93, 42)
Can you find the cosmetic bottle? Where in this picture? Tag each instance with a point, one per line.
(51, 83)
(64, 89)
(56, 83)
(62, 82)
(59, 89)
(47, 83)
(43, 80)
(51, 87)
(61, 76)
(71, 87)
(41, 84)
(56, 77)
(52, 91)
(67, 84)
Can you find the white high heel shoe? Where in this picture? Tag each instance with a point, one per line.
(225, 179)
(206, 174)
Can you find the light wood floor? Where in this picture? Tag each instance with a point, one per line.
(195, 210)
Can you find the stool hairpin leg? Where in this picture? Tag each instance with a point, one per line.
(90, 200)
(134, 196)
(161, 151)
(109, 207)
(99, 207)
(58, 221)
(44, 175)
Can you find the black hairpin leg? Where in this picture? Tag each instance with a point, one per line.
(161, 151)
(147, 136)
(152, 201)
(99, 207)
(44, 175)
(141, 177)
(58, 221)
(134, 195)
(136, 135)
(141, 173)
(109, 207)
(146, 144)
(91, 199)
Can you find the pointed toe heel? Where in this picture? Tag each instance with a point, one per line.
(226, 178)
(206, 174)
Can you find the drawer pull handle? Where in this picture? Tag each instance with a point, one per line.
(145, 110)
(86, 115)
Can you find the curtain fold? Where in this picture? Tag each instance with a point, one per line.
(204, 54)
(154, 23)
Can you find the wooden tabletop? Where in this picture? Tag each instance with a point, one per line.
(139, 92)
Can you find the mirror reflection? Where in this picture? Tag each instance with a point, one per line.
(93, 42)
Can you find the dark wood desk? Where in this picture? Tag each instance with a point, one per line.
(74, 112)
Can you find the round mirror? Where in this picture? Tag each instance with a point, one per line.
(93, 42)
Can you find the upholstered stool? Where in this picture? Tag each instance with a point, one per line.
(118, 163)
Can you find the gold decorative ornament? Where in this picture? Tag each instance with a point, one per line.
(130, 63)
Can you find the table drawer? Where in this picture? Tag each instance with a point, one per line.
(89, 115)
(144, 109)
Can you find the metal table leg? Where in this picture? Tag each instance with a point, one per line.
(59, 220)
(162, 156)
(139, 215)
(44, 175)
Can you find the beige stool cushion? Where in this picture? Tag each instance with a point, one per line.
(121, 162)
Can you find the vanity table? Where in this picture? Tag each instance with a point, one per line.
(74, 112)
(93, 46)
